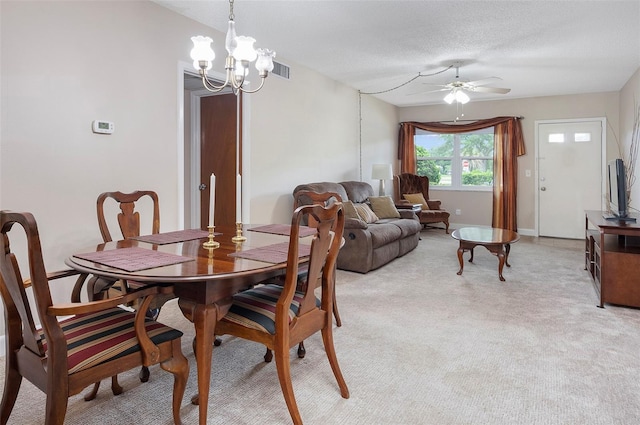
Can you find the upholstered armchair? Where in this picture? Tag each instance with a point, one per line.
(416, 189)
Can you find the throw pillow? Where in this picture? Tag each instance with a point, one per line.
(350, 210)
(384, 207)
(416, 198)
(365, 213)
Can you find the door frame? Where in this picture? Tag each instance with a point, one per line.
(603, 159)
(189, 168)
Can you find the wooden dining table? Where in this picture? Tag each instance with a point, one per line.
(204, 279)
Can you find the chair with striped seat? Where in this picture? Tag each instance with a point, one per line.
(282, 316)
(128, 221)
(77, 343)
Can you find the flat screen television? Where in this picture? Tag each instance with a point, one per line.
(617, 190)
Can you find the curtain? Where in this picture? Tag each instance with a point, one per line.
(508, 146)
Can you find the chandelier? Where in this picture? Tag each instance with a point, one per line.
(240, 54)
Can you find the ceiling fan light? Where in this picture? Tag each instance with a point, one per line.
(462, 97)
(450, 98)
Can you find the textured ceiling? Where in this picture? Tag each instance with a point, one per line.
(537, 48)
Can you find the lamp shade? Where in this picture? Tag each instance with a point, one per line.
(202, 51)
(265, 60)
(381, 172)
(244, 50)
(449, 98)
(462, 97)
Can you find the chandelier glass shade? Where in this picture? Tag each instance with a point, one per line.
(240, 54)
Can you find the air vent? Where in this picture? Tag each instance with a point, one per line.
(281, 70)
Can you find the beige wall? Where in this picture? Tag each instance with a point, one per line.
(629, 101)
(62, 68)
(476, 206)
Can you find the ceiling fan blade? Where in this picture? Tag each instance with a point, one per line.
(489, 90)
(429, 91)
(446, 86)
(484, 81)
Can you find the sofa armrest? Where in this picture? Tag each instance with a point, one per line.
(354, 223)
(434, 204)
(408, 214)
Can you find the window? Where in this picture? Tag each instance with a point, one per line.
(456, 161)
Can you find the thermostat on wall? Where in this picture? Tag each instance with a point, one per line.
(102, 127)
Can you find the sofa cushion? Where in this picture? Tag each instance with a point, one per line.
(323, 187)
(416, 198)
(349, 210)
(384, 207)
(383, 234)
(357, 192)
(365, 213)
(408, 227)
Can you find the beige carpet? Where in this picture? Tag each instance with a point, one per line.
(421, 345)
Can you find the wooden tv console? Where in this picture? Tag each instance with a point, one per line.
(612, 257)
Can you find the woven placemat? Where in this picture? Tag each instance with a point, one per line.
(173, 237)
(283, 229)
(133, 259)
(276, 253)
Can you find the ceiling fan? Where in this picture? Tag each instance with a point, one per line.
(457, 88)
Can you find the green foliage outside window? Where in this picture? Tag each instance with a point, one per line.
(426, 167)
(478, 178)
(461, 160)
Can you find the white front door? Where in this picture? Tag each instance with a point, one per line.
(570, 164)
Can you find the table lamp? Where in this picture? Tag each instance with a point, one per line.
(381, 172)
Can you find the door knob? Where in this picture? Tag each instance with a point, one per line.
(202, 186)
(543, 188)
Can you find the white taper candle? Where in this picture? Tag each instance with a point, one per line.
(238, 199)
(212, 199)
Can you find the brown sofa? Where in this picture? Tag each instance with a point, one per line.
(369, 246)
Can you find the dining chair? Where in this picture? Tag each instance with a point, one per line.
(314, 198)
(281, 316)
(76, 343)
(128, 220)
(299, 199)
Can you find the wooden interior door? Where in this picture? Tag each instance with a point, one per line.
(218, 155)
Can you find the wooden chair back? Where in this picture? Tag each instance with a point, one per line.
(298, 314)
(128, 218)
(42, 355)
(329, 222)
(410, 183)
(306, 197)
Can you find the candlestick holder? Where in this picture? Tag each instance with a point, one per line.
(238, 237)
(211, 244)
(210, 256)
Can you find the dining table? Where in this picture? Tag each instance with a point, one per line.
(204, 279)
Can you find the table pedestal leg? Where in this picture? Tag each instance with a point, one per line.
(204, 318)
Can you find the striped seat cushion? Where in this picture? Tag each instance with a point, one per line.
(256, 308)
(96, 338)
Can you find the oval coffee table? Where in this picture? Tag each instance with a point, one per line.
(497, 241)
